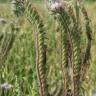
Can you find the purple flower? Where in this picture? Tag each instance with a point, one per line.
(6, 86)
(55, 6)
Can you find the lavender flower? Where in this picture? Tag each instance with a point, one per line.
(55, 6)
(6, 86)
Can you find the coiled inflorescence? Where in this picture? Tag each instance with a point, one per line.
(7, 41)
(17, 7)
(73, 64)
(33, 17)
(71, 37)
(87, 54)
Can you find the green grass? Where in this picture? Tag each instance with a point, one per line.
(19, 68)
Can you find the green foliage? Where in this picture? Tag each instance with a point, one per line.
(3, 0)
(20, 67)
(90, 0)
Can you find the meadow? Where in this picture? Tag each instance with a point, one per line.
(19, 68)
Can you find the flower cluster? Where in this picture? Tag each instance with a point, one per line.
(6, 86)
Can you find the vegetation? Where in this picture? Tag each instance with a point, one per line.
(19, 66)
